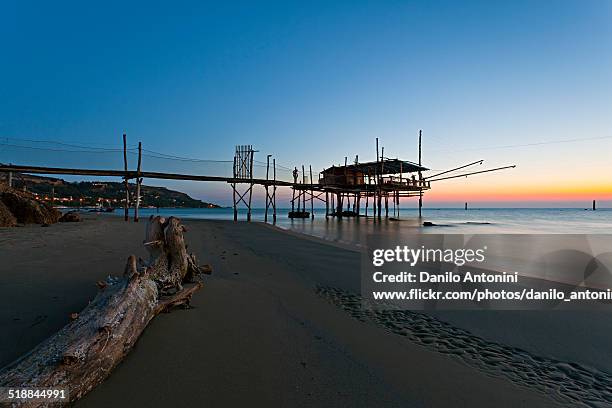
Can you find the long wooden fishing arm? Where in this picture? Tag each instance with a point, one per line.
(456, 168)
(475, 172)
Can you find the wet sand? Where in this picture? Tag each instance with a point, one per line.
(276, 324)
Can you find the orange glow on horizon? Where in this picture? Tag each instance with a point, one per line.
(518, 192)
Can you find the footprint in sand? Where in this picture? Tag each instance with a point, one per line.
(565, 382)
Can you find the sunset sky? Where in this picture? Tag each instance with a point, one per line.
(516, 82)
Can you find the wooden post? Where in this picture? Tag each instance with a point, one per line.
(10, 179)
(345, 170)
(234, 189)
(401, 181)
(138, 181)
(367, 197)
(127, 185)
(420, 179)
(420, 204)
(52, 196)
(251, 153)
(398, 203)
(387, 206)
(304, 190)
(374, 200)
(375, 196)
(311, 195)
(465, 206)
(326, 204)
(274, 193)
(380, 184)
(594, 207)
(420, 134)
(267, 188)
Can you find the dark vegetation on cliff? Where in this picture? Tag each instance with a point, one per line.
(92, 193)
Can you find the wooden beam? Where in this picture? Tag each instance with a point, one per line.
(475, 172)
(132, 174)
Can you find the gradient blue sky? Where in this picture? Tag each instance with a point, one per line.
(312, 82)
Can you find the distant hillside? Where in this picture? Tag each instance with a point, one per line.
(91, 193)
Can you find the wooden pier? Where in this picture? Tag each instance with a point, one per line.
(348, 190)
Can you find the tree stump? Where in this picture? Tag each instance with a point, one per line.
(83, 353)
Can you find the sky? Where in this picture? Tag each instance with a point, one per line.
(516, 82)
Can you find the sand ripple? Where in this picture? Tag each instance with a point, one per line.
(566, 382)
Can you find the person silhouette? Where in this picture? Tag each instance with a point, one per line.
(295, 175)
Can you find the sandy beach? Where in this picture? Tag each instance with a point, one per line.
(278, 323)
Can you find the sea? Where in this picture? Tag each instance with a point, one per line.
(443, 221)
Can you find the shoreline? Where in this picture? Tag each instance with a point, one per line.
(301, 347)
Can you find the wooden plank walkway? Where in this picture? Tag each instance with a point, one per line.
(130, 174)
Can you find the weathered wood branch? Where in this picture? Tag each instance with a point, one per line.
(83, 353)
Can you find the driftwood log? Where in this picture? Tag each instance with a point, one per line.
(83, 353)
(70, 216)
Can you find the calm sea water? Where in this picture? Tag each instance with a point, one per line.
(448, 221)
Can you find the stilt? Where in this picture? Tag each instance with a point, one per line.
(138, 182)
(333, 201)
(326, 205)
(386, 205)
(235, 203)
(311, 195)
(234, 186)
(397, 193)
(594, 207)
(420, 178)
(303, 191)
(251, 154)
(374, 203)
(376, 182)
(398, 203)
(127, 185)
(274, 192)
(466, 206)
(420, 204)
(299, 200)
(267, 187)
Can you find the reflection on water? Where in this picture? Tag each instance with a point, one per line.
(446, 221)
